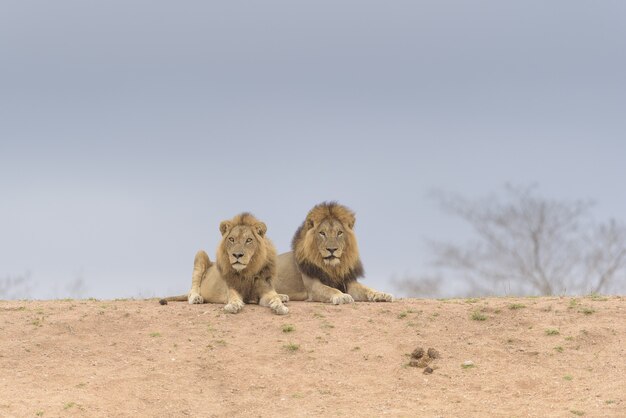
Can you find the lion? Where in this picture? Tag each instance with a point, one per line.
(244, 270)
(324, 265)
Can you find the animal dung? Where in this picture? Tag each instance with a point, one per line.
(421, 358)
(417, 353)
(432, 353)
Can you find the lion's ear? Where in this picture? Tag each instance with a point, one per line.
(351, 221)
(260, 228)
(225, 227)
(309, 223)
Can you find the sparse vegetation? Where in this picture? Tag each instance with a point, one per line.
(402, 315)
(586, 310)
(69, 405)
(478, 316)
(288, 328)
(577, 412)
(568, 377)
(516, 306)
(597, 297)
(291, 347)
(558, 349)
(155, 334)
(326, 325)
(468, 365)
(552, 331)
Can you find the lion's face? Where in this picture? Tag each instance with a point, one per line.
(241, 243)
(330, 239)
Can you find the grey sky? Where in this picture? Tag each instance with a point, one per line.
(129, 129)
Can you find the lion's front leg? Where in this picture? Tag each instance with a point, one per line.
(269, 297)
(234, 302)
(363, 293)
(319, 292)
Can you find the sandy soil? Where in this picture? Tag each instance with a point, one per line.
(535, 357)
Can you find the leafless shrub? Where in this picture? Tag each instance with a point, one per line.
(18, 287)
(528, 244)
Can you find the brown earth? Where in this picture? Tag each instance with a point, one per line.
(535, 357)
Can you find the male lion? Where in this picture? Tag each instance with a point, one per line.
(324, 265)
(244, 271)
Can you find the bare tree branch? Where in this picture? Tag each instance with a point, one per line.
(532, 245)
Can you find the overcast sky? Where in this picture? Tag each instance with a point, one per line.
(130, 129)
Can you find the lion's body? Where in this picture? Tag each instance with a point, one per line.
(324, 265)
(244, 271)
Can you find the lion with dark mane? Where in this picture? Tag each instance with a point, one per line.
(324, 265)
(244, 271)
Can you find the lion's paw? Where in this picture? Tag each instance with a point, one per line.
(380, 297)
(233, 307)
(195, 298)
(277, 306)
(281, 310)
(341, 299)
(283, 298)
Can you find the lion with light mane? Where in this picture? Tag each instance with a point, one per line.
(324, 265)
(244, 271)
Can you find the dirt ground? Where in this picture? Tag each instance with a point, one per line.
(510, 357)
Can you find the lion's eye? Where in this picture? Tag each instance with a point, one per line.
(322, 234)
(339, 233)
(231, 239)
(249, 240)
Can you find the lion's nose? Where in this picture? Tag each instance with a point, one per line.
(331, 250)
(237, 255)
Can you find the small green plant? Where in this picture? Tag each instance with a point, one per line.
(516, 306)
(288, 328)
(558, 348)
(468, 365)
(478, 316)
(568, 377)
(597, 297)
(402, 315)
(155, 334)
(357, 348)
(577, 412)
(471, 300)
(572, 303)
(291, 347)
(609, 401)
(69, 405)
(39, 413)
(552, 331)
(586, 310)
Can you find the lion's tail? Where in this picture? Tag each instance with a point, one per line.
(181, 298)
(201, 264)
